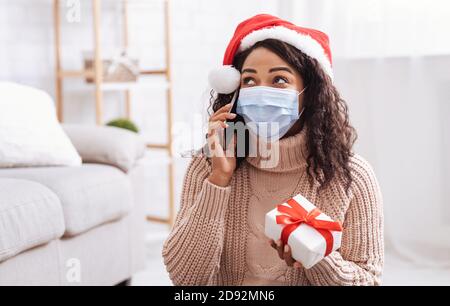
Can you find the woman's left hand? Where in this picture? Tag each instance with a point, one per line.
(284, 252)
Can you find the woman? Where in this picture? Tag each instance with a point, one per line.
(218, 237)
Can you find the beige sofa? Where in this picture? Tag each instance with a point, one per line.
(75, 225)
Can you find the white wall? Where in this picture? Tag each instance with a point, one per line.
(400, 107)
(201, 30)
(378, 28)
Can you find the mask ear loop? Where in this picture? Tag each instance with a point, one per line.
(304, 88)
(301, 112)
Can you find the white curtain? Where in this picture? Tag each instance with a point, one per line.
(401, 107)
(392, 65)
(376, 28)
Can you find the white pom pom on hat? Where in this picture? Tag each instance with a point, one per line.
(225, 79)
(314, 43)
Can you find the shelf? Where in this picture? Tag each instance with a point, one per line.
(95, 73)
(91, 74)
(76, 74)
(158, 146)
(153, 72)
(160, 85)
(118, 86)
(158, 219)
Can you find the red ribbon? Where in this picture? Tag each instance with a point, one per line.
(295, 215)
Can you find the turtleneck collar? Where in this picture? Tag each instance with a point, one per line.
(290, 154)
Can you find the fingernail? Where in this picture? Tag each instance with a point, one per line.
(279, 243)
(296, 265)
(286, 248)
(233, 115)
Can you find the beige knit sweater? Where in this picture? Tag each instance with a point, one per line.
(218, 236)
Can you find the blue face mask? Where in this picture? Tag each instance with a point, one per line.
(269, 112)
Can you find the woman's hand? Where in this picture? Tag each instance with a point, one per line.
(284, 252)
(223, 161)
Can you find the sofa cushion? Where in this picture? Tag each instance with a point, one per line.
(30, 215)
(90, 195)
(106, 145)
(30, 134)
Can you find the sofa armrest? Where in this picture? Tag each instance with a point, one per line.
(106, 145)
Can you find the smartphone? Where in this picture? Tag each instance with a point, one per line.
(242, 149)
(228, 132)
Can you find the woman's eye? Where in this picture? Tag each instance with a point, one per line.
(280, 80)
(248, 81)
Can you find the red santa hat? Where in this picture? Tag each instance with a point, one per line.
(314, 43)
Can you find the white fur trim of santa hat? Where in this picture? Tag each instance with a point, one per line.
(303, 42)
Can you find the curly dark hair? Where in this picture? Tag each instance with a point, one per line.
(330, 137)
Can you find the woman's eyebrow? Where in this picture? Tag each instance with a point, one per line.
(281, 69)
(249, 70)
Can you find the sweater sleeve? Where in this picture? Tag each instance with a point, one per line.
(193, 249)
(360, 259)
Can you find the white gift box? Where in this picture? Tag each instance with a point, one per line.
(308, 245)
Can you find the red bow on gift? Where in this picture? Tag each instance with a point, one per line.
(295, 215)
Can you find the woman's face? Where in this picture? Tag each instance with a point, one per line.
(262, 67)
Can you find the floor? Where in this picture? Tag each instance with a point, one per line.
(396, 271)
(155, 272)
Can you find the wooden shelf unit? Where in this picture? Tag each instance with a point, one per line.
(96, 74)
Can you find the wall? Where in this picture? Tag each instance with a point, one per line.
(400, 107)
(200, 32)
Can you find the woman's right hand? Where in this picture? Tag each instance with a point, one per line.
(223, 161)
